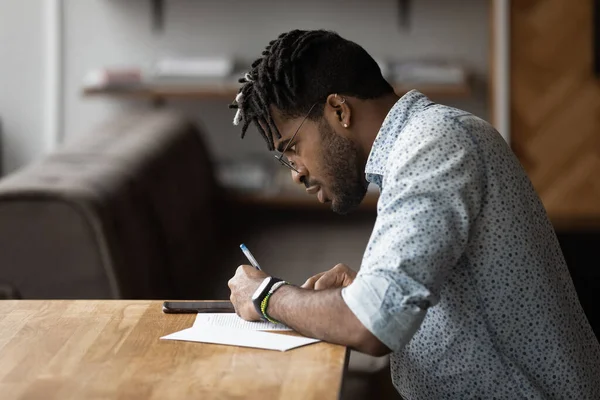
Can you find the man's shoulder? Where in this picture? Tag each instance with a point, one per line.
(432, 140)
(439, 126)
(439, 119)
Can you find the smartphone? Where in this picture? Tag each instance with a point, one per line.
(193, 307)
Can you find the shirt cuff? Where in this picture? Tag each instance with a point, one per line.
(390, 315)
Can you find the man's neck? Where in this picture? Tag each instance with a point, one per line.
(378, 110)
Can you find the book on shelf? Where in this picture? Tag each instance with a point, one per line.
(245, 176)
(192, 68)
(113, 78)
(191, 71)
(424, 72)
(220, 73)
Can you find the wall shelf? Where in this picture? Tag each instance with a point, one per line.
(292, 201)
(228, 91)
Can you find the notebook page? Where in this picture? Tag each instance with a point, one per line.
(231, 320)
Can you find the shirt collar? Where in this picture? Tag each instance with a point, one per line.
(392, 125)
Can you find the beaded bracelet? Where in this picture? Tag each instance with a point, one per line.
(265, 302)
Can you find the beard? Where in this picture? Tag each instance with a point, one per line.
(343, 170)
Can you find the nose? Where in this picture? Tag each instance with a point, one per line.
(300, 176)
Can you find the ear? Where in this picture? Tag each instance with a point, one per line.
(337, 111)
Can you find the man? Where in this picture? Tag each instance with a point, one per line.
(463, 279)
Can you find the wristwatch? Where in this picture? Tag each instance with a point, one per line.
(262, 292)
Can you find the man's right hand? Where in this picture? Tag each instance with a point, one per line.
(339, 276)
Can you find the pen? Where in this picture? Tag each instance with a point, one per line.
(250, 257)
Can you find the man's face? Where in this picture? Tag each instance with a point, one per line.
(329, 164)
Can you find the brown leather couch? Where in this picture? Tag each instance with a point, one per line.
(127, 211)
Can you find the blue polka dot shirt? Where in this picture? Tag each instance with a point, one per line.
(463, 277)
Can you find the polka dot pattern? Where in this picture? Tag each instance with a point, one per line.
(463, 277)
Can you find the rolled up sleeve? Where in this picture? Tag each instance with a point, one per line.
(425, 213)
(366, 298)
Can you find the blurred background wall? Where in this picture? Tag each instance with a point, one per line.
(98, 33)
(23, 77)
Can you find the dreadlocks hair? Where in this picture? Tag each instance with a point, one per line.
(299, 69)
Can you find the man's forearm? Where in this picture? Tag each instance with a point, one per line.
(323, 314)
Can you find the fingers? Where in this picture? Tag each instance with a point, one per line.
(243, 269)
(240, 272)
(340, 268)
(247, 270)
(335, 277)
(328, 280)
(339, 276)
(310, 282)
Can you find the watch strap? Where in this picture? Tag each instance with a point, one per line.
(259, 298)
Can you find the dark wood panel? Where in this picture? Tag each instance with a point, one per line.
(597, 37)
(555, 105)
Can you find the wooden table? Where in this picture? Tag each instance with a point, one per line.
(109, 349)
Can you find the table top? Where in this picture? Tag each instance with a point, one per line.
(89, 349)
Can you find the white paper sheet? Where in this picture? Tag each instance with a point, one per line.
(243, 338)
(231, 320)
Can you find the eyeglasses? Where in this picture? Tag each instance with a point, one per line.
(281, 156)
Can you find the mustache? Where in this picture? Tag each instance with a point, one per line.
(309, 182)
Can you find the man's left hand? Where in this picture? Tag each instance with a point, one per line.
(243, 285)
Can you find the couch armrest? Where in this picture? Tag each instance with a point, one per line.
(127, 211)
